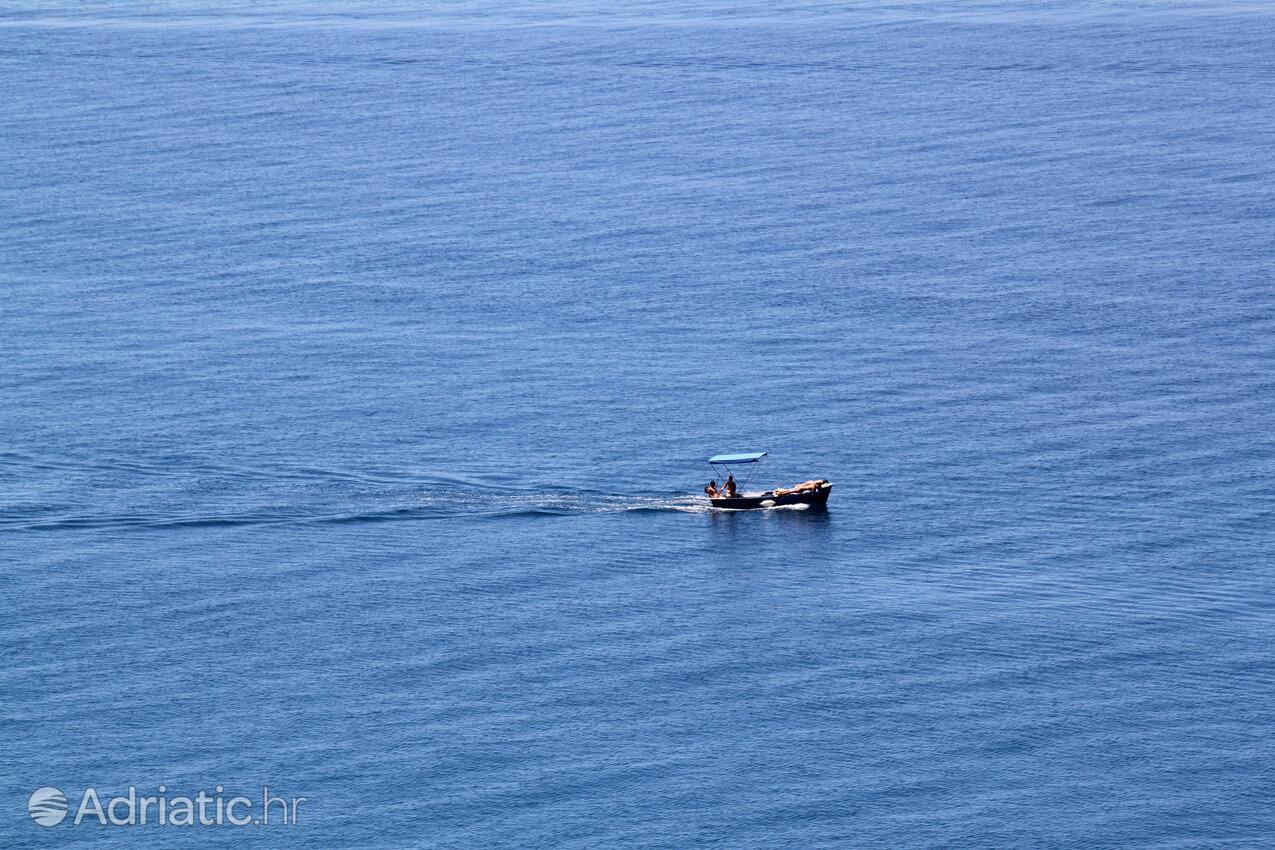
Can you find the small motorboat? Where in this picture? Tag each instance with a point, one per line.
(813, 493)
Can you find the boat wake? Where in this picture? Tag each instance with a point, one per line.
(573, 504)
(184, 492)
(307, 508)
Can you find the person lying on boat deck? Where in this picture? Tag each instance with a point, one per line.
(730, 487)
(812, 484)
(711, 489)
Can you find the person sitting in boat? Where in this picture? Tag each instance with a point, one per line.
(711, 489)
(730, 487)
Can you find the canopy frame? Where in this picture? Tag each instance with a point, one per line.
(725, 462)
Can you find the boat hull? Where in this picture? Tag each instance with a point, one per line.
(817, 498)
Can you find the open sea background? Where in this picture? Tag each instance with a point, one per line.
(359, 361)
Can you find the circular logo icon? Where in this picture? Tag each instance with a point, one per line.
(47, 806)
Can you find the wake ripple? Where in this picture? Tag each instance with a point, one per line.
(354, 509)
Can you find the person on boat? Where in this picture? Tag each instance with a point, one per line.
(812, 484)
(730, 487)
(711, 489)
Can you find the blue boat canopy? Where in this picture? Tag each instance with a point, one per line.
(750, 457)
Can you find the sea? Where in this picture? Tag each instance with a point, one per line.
(360, 363)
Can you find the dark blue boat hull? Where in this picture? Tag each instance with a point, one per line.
(817, 498)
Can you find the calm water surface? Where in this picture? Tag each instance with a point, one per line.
(358, 363)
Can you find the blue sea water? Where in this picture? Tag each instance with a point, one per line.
(359, 361)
